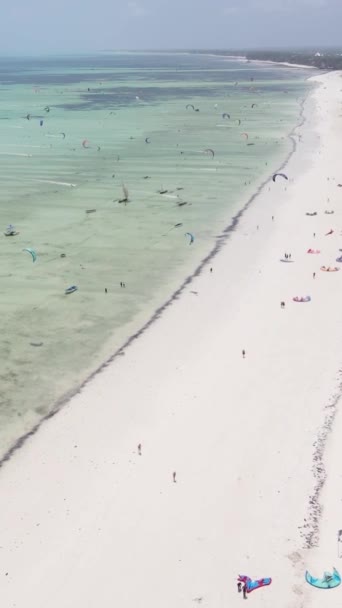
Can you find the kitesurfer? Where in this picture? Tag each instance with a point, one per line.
(244, 591)
(239, 585)
(174, 477)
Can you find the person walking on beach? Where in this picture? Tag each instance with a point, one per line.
(313, 275)
(243, 354)
(139, 449)
(239, 585)
(244, 591)
(174, 477)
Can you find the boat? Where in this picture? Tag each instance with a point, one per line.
(71, 289)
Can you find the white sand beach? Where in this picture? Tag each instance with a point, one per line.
(85, 521)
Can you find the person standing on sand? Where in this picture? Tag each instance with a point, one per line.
(174, 477)
(239, 585)
(139, 449)
(313, 275)
(244, 591)
(243, 354)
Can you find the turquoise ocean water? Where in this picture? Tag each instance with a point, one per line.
(74, 131)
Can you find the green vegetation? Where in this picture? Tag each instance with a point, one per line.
(326, 59)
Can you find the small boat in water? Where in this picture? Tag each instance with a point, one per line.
(71, 289)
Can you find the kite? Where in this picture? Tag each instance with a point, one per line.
(32, 252)
(252, 585)
(279, 175)
(302, 299)
(328, 580)
(211, 151)
(192, 238)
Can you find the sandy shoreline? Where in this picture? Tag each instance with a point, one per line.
(88, 521)
(267, 61)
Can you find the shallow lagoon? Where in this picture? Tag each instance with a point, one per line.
(115, 102)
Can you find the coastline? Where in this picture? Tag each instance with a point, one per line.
(78, 334)
(139, 328)
(239, 433)
(262, 61)
(286, 64)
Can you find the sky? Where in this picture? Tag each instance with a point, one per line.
(48, 26)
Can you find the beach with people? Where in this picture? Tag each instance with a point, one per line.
(207, 448)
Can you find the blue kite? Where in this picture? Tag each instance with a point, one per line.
(252, 585)
(328, 581)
